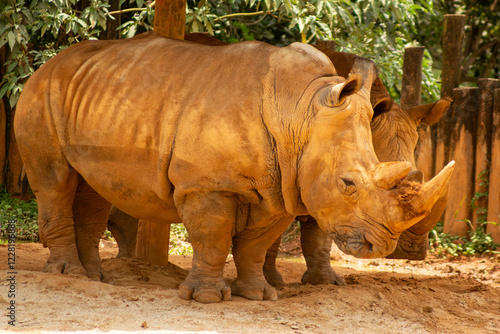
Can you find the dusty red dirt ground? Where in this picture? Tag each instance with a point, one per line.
(382, 296)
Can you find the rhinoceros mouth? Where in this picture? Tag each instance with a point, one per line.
(355, 245)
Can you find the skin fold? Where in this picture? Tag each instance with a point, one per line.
(234, 141)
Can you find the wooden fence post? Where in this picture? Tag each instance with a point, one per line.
(412, 76)
(460, 140)
(483, 144)
(411, 94)
(494, 188)
(453, 38)
(326, 43)
(14, 162)
(3, 140)
(153, 239)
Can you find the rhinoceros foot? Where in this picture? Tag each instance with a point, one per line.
(411, 246)
(254, 289)
(273, 277)
(324, 275)
(207, 290)
(64, 266)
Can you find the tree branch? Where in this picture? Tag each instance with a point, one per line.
(230, 16)
(129, 10)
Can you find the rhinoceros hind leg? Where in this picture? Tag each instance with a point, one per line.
(56, 226)
(272, 274)
(316, 247)
(124, 228)
(209, 219)
(90, 213)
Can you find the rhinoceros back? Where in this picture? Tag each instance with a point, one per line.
(116, 107)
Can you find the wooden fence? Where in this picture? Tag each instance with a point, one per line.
(469, 134)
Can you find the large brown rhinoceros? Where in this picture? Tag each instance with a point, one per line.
(394, 135)
(233, 141)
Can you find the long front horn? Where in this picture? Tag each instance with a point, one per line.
(418, 202)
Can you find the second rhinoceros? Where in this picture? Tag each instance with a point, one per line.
(233, 141)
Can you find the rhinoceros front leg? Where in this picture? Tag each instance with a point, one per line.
(90, 214)
(249, 252)
(316, 247)
(272, 274)
(209, 219)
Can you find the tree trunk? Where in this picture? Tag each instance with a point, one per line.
(153, 239)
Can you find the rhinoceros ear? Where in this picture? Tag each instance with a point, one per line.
(429, 113)
(382, 105)
(335, 95)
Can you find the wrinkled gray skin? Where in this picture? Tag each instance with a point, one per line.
(395, 136)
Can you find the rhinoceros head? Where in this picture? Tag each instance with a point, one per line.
(363, 204)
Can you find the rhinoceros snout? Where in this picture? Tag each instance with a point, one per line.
(353, 243)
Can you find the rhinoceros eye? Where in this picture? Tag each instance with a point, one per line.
(349, 186)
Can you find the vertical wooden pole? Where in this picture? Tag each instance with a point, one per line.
(327, 44)
(3, 124)
(3, 141)
(483, 149)
(453, 38)
(411, 93)
(170, 18)
(152, 238)
(412, 77)
(494, 188)
(461, 133)
(14, 162)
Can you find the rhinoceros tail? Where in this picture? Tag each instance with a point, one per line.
(23, 183)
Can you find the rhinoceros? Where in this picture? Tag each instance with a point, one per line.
(234, 141)
(394, 135)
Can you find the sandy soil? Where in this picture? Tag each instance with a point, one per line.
(382, 296)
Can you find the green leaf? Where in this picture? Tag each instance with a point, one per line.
(12, 39)
(4, 90)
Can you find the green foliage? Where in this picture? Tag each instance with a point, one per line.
(179, 240)
(477, 242)
(37, 30)
(24, 214)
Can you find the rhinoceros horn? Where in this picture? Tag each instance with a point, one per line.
(420, 202)
(387, 175)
